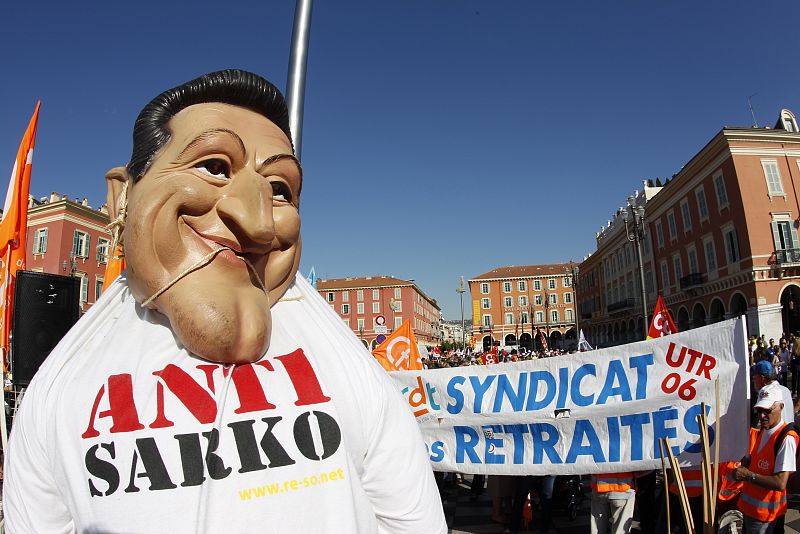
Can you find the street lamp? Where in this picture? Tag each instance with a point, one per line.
(460, 290)
(393, 306)
(635, 232)
(573, 270)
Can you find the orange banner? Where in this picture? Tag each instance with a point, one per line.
(13, 229)
(399, 351)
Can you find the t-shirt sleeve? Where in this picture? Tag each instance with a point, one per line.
(398, 478)
(31, 500)
(785, 459)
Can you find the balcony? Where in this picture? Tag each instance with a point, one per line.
(787, 255)
(693, 280)
(621, 305)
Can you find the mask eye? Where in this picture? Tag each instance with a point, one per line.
(281, 191)
(216, 168)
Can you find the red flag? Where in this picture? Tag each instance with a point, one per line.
(662, 324)
(13, 229)
(399, 351)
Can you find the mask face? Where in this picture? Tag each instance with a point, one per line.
(225, 180)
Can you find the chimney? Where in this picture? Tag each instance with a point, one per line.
(55, 196)
(85, 202)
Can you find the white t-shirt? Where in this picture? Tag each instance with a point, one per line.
(122, 430)
(785, 459)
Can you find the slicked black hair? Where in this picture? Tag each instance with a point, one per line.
(231, 86)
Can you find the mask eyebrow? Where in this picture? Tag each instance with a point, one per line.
(208, 134)
(278, 157)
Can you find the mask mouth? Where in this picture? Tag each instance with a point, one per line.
(205, 260)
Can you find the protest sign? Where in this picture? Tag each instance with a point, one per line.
(590, 412)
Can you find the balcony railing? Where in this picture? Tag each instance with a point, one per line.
(692, 280)
(621, 305)
(788, 255)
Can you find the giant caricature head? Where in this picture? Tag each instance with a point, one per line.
(212, 225)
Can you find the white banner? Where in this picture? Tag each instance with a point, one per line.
(592, 412)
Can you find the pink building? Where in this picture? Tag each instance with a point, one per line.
(67, 237)
(364, 303)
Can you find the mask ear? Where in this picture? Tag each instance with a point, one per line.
(116, 181)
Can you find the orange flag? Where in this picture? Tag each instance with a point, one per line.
(13, 229)
(114, 267)
(399, 351)
(662, 324)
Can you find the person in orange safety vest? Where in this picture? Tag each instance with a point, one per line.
(765, 473)
(613, 499)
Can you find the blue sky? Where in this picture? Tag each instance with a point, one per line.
(441, 137)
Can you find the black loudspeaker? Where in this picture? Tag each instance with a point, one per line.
(45, 308)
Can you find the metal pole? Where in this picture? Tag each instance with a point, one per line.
(296, 83)
(641, 273)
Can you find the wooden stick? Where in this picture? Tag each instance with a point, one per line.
(666, 483)
(705, 470)
(684, 499)
(717, 435)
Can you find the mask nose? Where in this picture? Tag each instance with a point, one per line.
(246, 209)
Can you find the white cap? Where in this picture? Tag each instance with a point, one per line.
(768, 396)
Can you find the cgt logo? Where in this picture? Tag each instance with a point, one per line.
(763, 464)
(662, 325)
(421, 398)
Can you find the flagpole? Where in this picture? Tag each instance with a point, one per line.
(296, 84)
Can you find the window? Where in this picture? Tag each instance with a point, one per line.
(486, 304)
(485, 289)
(80, 245)
(676, 261)
(397, 305)
(539, 317)
(509, 318)
(508, 302)
(84, 287)
(98, 287)
(784, 236)
(360, 295)
(398, 322)
(522, 285)
(523, 317)
(103, 249)
(722, 194)
(345, 296)
(360, 324)
(569, 316)
(568, 298)
(774, 185)
(487, 320)
(659, 234)
(331, 296)
(553, 316)
(664, 275)
(376, 307)
(702, 207)
(731, 245)
(397, 292)
(375, 294)
(692, 254)
(360, 308)
(345, 309)
(711, 256)
(506, 287)
(537, 285)
(686, 216)
(553, 298)
(673, 229)
(523, 301)
(537, 299)
(551, 283)
(40, 241)
(567, 281)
